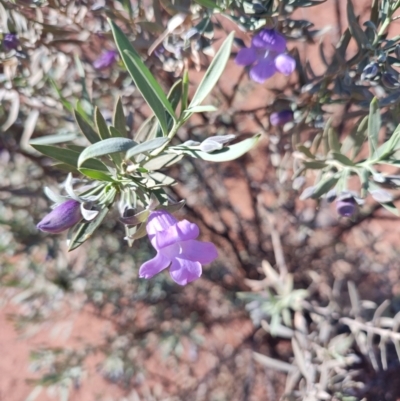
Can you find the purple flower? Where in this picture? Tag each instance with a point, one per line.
(106, 59)
(281, 117)
(64, 216)
(267, 53)
(346, 206)
(10, 41)
(176, 245)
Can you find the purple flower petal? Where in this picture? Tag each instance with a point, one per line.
(246, 56)
(159, 220)
(197, 251)
(263, 70)
(181, 231)
(184, 271)
(64, 216)
(10, 41)
(269, 39)
(175, 244)
(285, 64)
(106, 59)
(281, 117)
(154, 266)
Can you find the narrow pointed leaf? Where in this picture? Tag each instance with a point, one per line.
(342, 159)
(228, 153)
(86, 129)
(355, 29)
(146, 147)
(115, 133)
(96, 175)
(119, 119)
(69, 157)
(106, 147)
(213, 72)
(144, 80)
(51, 139)
(101, 125)
(374, 125)
(86, 230)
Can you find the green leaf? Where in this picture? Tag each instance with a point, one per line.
(144, 80)
(185, 91)
(175, 94)
(105, 132)
(101, 125)
(324, 186)
(106, 147)
(306, 151)
(147, 131)
(342, 159)
(374, 125)
(68, 156)
(356, 138)
(162, 161)
(201, 109)
(207, 3)
(119, 119)
(213, 72)
(86, 129)
(355, 29)
(227, 153)
(96, 175)
(387, 148)
(333, 140)
(315, 165)
(86, 230)
(51, 139)
(146, 147)
(67, 105)
(115, 133)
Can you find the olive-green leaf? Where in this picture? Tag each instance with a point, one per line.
(119, 119)
(146, 147)
(227, 153)
(51, 139)
(374, 125)
(355, 29)
(86, 229)
(69, 157)
(213, 72)
(342, 159)
(144, 80)
(96, 175)
(101, 125)
(86, 129)
(106, 147)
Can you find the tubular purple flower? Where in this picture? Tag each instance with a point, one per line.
(281, 117)
(346, 207)
(106, 60)
(177, 248)
(10, 41)
(64, 216)
(267, 52)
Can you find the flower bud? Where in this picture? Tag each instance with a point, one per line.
(346, 207)
(10, 41)
(370, 71)
(64, 216)
(390, 80)
(106, 60)
(281, 117)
